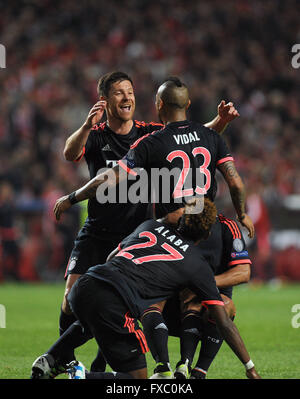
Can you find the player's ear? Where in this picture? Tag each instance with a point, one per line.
(188, 104)
(160, 104)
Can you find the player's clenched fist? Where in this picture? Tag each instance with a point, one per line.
(95, 114)
(61, 205)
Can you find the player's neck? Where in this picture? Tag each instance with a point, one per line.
(171, 219)
(120, 127)
(174, 117)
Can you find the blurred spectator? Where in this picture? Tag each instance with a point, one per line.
(238, 50)
(9, 246)
(287, 264)
(260, 247)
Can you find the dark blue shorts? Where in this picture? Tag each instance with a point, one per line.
(102, 311)
(90, 250)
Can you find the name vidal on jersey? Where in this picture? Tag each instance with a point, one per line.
(171, 238)
(186, 138)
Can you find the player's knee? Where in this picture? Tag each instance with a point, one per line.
(72, 278)
(190, 314)
(194, 305)
(65, 304)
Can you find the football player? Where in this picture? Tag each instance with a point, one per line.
(151, 264)
(102, 144)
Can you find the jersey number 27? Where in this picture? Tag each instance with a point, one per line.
(171, 255)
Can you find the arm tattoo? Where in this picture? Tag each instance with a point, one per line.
(238, 199)
(237, 190)
(229, 170)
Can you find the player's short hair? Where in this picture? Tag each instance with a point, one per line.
(105, 82)
(174, 93)
(174, 80)
(197, 226)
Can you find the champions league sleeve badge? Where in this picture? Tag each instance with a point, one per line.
(72, 263)
(238, 245)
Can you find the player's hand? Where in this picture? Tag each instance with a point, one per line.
(252, 374)
(246, 221)
(95, 114)
(227, 112)
(61, 205)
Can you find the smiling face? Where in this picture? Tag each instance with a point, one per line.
(121, 101)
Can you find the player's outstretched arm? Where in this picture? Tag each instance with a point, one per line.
(111, 178)
(232, 336)
(238, 194)
(75, 143)
(226, 114)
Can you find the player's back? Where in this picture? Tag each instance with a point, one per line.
(153, 262)
(189, 151)
(192, 148)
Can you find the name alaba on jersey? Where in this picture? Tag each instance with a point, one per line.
(153, 263)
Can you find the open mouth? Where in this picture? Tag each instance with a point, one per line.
(125, 108)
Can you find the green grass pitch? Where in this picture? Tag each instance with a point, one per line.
(264, 318)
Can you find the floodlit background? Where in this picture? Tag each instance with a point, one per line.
(239, 51)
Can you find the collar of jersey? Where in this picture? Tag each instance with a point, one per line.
(120, 135)
(178, 123)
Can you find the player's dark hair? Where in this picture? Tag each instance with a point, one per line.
(174, 80)
(105, 82)
(197, 226)
(174, 93)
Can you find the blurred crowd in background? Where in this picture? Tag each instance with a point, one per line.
(236, 50)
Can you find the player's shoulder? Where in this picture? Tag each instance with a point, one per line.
(211, 132)
(148, 127)
(145, 135)
(145, 130)
(149, 224)
(203, 130)
(230, 226)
